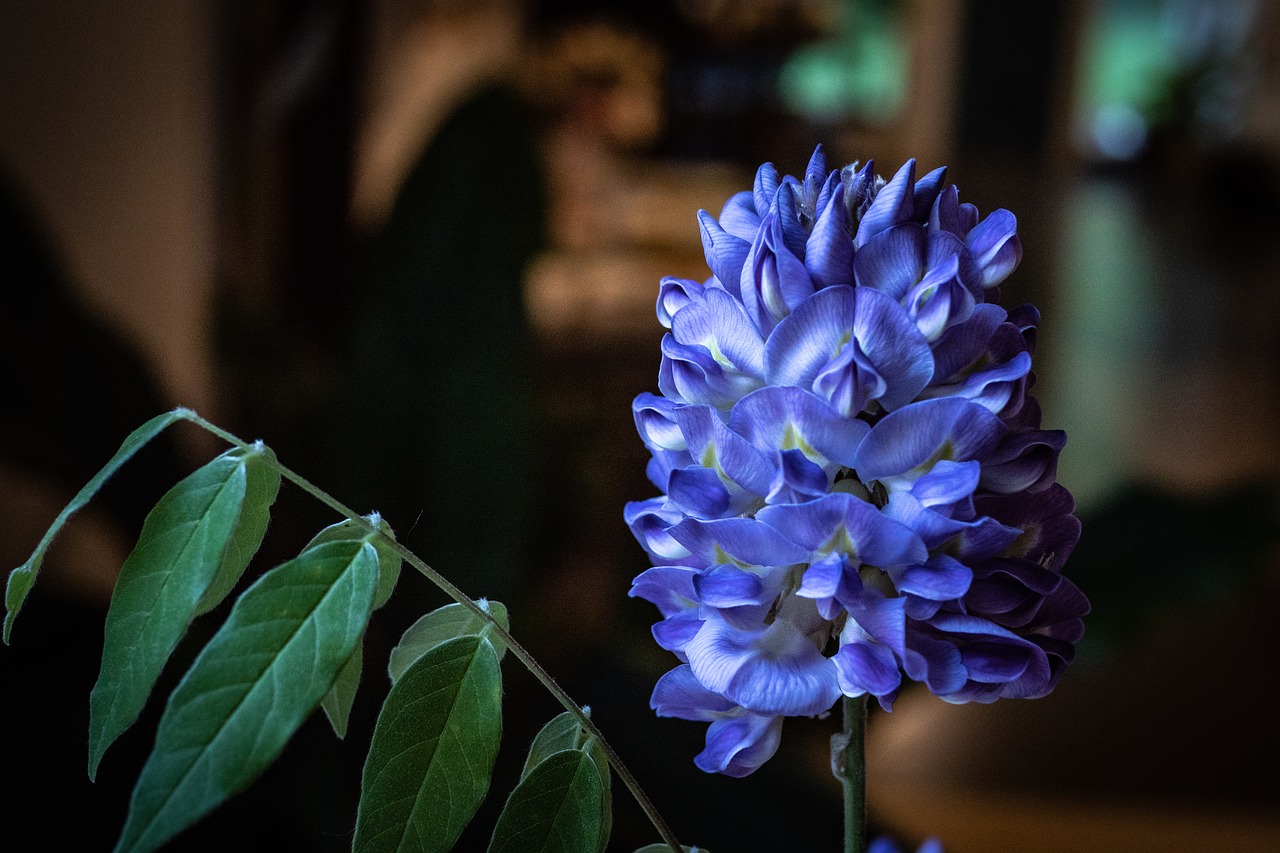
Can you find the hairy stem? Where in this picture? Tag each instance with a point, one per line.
(519, 651)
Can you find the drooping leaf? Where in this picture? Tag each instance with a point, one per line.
(262, 484)
(259, 677)
(338, 702)
(565, 732)
(440, 626)
(433, 750)
(554, 809)
(341, 697)
(23, 578)
(388, 560)
(191, 536)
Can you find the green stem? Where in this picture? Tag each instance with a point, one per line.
(851, 764)
(519, 651)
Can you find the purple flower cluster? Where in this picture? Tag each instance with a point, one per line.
(856, 487)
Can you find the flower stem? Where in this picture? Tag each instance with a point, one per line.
(521, 654)
(853, 774)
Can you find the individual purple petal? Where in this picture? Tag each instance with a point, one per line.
(985, 666)
(893, 346)
(828, 254)
(874, 616)
(766, 187)
(918, 435)
(728, 586)
(700, 492)
(778, 670)
(797, 479)
(944, 216)
(947, 482)
(724, 252)
(650, 521)
(691, 374)
(1025, 319)
(678, 693)
(1024, 461)
(841, 523)
(816, 172)
(655, 421)
(926, 191)
(940, 247)
(1049, 530)
(670, 588)
(674, 294)
(935, 529)
(995, 246)
(789, 418)
(740, 217)
(718, 448)
(738, 745)
(962, 344)
(806, 341)
(791, 216)
(940, 300)
(718, 324)
(892, 261)
(849, 381)
(894, 204)
(744, 540)
(822, 578)
(941, 578)
(935, 662)
(774, 281)
(867, 668)
(830, 582)
(675, 632)
(662, 463)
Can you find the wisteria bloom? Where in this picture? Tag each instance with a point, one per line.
(855, 487)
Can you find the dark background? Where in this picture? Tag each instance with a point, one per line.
(189, 218)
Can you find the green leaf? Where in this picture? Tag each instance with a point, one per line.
(342, 695)
(23, 578)
(388, 560)
(561, 733)
(433, 750)
(664, 848)
(259, 677)
(262, 484)
(554, 809)
(191, 536)
(565, 732)
(440, 626)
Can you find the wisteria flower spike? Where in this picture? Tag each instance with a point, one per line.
(856, 491)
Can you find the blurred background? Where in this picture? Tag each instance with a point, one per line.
(414, 245)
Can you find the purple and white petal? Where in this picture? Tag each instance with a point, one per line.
(777, 670)
(678, 693)
(737, 745)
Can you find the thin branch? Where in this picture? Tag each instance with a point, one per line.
(519, 651)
